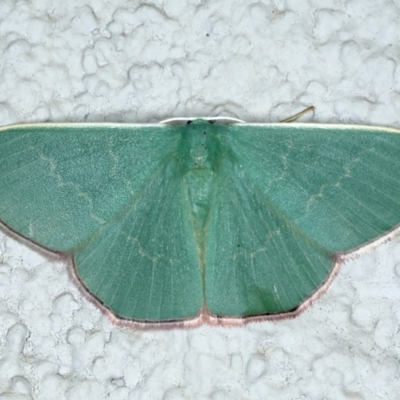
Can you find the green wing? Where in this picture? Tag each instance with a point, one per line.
(111, 195)
(258, 261)
(288, 198)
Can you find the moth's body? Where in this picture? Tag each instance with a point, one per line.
(200, 221)
(200, 149)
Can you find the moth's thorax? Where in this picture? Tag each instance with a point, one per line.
(199, 144)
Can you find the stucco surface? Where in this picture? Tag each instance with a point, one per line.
(144, 62)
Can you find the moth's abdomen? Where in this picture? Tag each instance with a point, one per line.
(199, 185)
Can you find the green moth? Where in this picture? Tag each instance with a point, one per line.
(200, 222)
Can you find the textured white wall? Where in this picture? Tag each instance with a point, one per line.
(258, 61)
